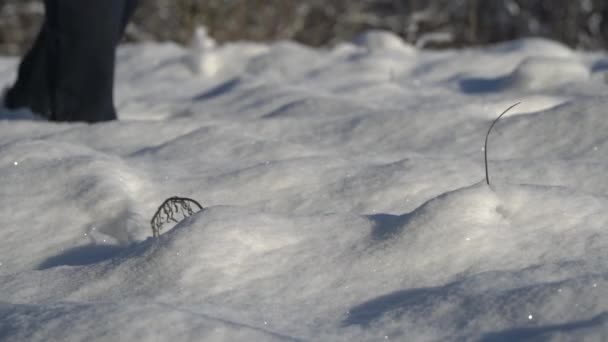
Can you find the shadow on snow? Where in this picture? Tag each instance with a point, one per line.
(84, 255)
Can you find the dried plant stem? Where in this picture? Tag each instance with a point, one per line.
(485, 147)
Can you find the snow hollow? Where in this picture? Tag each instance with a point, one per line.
(344, 192)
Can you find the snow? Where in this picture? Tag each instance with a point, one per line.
(344, 192)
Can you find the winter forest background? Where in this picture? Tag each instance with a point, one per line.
(430, 23)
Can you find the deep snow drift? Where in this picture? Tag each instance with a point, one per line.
(345, 198)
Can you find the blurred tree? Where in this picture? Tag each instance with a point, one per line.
(580, 24)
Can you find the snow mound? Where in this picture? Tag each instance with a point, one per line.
(376, 40)
(532, 74)
(477, 228)
(231, 248)
(208, 59)
(466, 240)
(87, 196)
(533, 47)
(542, 72)
(203, 57)
(570, 130)
(531, 104)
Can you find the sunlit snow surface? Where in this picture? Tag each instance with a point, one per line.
(345, 192)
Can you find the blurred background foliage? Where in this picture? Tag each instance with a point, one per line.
(431, 23)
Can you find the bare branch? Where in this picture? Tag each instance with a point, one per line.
(169, 209)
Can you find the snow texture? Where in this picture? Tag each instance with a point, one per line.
(344, 192)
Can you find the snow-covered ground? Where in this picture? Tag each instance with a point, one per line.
(345, 198)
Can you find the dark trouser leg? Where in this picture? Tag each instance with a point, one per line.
(75, 54)
(82, 51)
(31, 88)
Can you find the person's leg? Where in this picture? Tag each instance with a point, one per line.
(31, 88)
(83, 35)
(68, 74)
